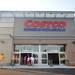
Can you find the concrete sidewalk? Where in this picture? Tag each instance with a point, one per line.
(37, 70)
(37, 66)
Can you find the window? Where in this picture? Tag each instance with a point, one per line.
(62, 55)
(44, 58)
(44, 61)
(27, 48)
(35, 61)
(44, 48)
(50, 48)
(19, 47)
(62, 58)
(62, 61)
(15, 58)
(35, 56)
(44, 55)
(62, 49)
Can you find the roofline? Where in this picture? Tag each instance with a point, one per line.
(40, 11)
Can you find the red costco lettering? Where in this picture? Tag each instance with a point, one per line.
(44, 24)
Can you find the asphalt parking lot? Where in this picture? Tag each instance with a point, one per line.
(51, 71)
(68, 71)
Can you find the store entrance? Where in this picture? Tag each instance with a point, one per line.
(53, 58)
(24, 57)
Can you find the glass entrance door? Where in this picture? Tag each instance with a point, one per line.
(41, 53)
(53, 58)
(24, 58)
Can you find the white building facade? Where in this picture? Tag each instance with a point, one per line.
(47, 36)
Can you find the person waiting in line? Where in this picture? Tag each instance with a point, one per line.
(32, 60)
(28, 60)
(25, 60)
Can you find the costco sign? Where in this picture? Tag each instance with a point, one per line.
(39, 25)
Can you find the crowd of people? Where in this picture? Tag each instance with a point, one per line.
(28, 60)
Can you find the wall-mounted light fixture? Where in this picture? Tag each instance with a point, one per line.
(73, 42)
(2, 41)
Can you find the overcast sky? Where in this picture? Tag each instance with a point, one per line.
(35, 5)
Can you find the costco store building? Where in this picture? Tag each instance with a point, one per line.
(47, 36)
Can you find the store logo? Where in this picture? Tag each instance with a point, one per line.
(36, 25)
